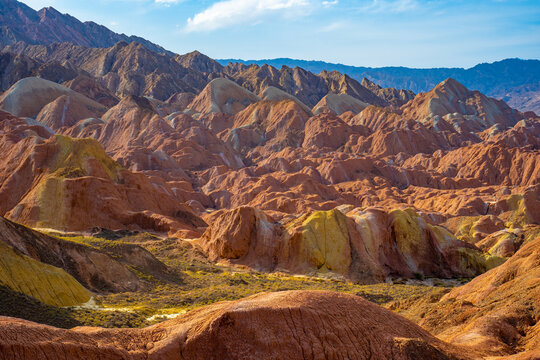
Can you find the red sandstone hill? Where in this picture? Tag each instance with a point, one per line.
(283, 325)
(496, 311)
(58, 182)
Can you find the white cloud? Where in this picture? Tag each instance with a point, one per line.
(231, 12)
(168, 2)
(330, 3)
(394, 6)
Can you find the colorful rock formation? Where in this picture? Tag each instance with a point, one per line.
(93, 268)
(365, 246)
(496, 312)
(284, 325)
(222, 96)
(28, 96)
(63, 177)
(48, 284)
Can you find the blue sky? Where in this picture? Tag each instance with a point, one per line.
(414, 33)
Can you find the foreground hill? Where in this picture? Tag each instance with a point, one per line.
(496, 311)
(289, 325)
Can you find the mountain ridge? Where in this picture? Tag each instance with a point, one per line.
(514, 80)
(19, 22)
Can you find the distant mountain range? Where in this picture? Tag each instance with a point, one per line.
(515, 81)
(19, 22)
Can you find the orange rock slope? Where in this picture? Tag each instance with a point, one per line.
(496, 312)
(446, 154)
(284, 325)
(72, 184)
(365, 245)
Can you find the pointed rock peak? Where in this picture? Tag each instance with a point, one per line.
(331, 73)
(366, 81)
(453, 86)
(49, 12)
(198, 61)
(137, 46)
(369, 84)
(298, 69)
(137, 101)
(120, 45)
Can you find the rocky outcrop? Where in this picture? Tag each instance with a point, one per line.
(284, 325)
(90, 88)
(176, 103)
(393, 97)
(495, 312)
(490, 163)
(73, 184)
(27, 97)
(46, 283)
(338, 104)
(343, 84)
(222, 96)
(326, 130)
(244, 233)
(304, 85)
(200, 62)
(273, 125)
(65, 111)
(140, 139)
(366, 246)
(93, 268)
(464, 109)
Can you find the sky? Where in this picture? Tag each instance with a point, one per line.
(412, 33)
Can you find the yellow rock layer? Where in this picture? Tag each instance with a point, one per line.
(73, 155)
(326, 241)
(71, 160)
(519, 216)
(46, 283)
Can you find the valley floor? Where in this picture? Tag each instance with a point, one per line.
(192, 281)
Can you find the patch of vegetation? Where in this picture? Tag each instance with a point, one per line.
(18, 305)
(112, 319)
(192, 281)
(202, 283)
